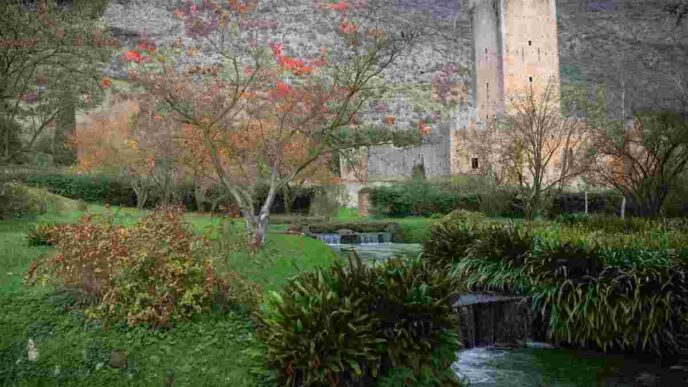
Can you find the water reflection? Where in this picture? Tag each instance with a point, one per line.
(375, 252)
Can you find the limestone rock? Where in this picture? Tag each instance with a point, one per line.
(118, 359)
(32, 351)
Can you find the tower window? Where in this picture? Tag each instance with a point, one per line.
(530, 79)
(530, 42)
(474, 163)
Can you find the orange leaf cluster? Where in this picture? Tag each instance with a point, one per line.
(293, 65)
(340, 6)
(242, 7)
(347, 28)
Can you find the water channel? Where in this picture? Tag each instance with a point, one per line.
(539, 365)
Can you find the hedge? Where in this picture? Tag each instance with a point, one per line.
(117, 191)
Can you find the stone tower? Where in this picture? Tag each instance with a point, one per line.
(515, 47)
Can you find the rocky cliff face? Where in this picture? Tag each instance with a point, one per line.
(632, 47)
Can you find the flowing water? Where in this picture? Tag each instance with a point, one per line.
(492, 367)
(537, 366)
(376, 252)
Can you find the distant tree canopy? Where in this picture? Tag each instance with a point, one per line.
(51, 56)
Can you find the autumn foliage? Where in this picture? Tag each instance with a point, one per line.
(260, 115)
(154, 273)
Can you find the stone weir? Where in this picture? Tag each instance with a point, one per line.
(494, 320)
(335, 233)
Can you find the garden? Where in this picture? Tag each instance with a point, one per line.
(180, 212)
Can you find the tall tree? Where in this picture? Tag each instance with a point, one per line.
(50, 60)
(259, 116)
(644, 159)
(131, 141)
(538, 148)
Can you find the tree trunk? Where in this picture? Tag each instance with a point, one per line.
(532, 207)
(200, 197)
(257, 225)
(141, 192)
(256, 228)
(586, 202)
(287, 200)
(623, 207)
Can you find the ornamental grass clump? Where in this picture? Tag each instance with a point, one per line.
(509, 243)
(638, 309)
(351, 325)
(626, 289)
(448, 242)
(153, 274)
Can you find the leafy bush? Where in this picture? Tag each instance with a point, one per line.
(154, 273)
(448, 242)
(632, 309)
(17, 200)
(42, 234)
(607, 223)
(573, 218)
(418, 197)
(565, 260)
(510, 243)
(437, 373)
(350, 325)
(98, 189)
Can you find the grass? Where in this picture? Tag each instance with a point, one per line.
(212, 350)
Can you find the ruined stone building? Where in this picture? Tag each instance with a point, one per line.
(476, 55)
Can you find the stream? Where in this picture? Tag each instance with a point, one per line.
(539, 366)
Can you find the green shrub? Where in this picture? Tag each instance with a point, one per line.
(573, 218)
(510, 243)
(448, 242)
(350, 325)
(437, 373)
(15, 203)
(89, 188)
(565, 260)
(637, 309)
(419, 197)
(154, 273)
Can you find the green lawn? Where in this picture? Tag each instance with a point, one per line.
(213, 350)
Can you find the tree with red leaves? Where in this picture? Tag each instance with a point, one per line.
(260, 117)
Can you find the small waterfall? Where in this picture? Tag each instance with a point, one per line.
(488, 320)
(330, 239)
(374, 237)
(364, 238)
